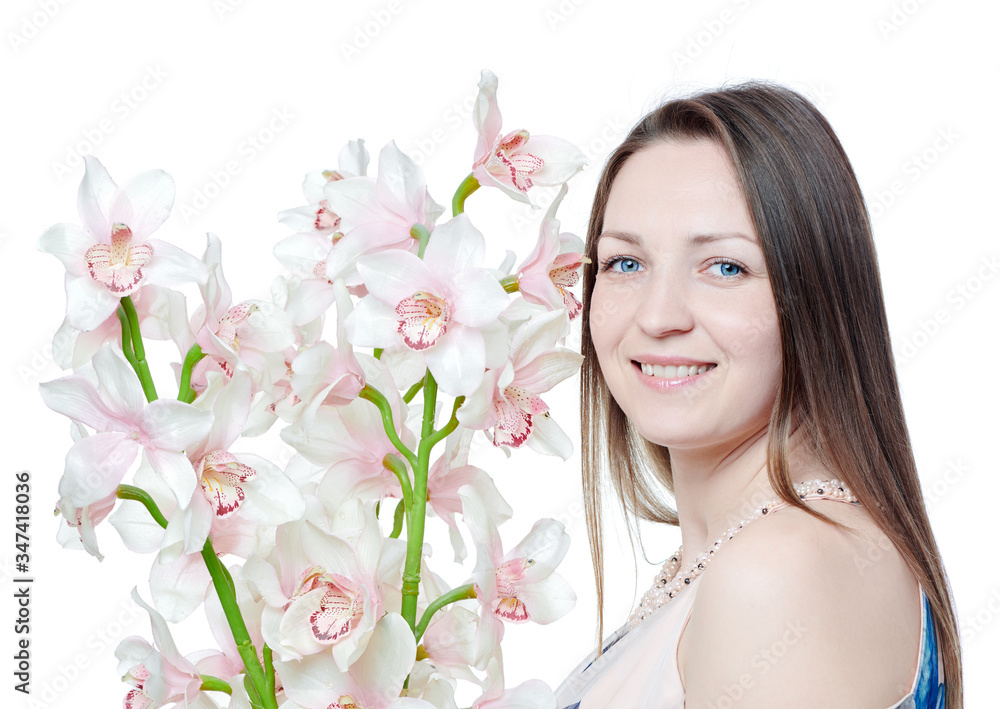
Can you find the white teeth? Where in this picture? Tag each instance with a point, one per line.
(673, 372)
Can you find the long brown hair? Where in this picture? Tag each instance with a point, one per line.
(838, 372)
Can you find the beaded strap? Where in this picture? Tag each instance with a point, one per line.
(668, 582)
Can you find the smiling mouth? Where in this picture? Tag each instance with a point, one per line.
(662, 371)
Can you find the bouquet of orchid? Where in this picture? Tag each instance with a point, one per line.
(315, 578)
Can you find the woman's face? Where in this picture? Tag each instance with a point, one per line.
(682, 316)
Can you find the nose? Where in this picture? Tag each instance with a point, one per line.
(664, 306)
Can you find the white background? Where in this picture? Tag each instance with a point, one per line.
(909, 87)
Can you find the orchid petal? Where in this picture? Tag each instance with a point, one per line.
(393, 275)
(312, 298)
(455, 246)
(549, 439)
(486, 642)
(313, 682)
(172, 266)
(301, 252)
(372, 324)
(354, 199)
(88, 303)
(532, 694)
(477, 411)
(77, 397)
(68, 243)
(547, 600)
(139, 532)
(486, 114)
(97, 190)
(479, 297)
(174, 425)
(179, 587)
(176, 471)
(162, 638)
(331, 552)
(96, 465)
(144, 202)
(562, 159)
(485, 177)
(272, 498)
(400, 185)
(387, 659)
(546, 544)
(118, 384)
(547, 370)
(186, 531)
(353, 157)
(458, 360)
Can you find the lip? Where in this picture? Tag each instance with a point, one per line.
(660, 384)
(669, 360)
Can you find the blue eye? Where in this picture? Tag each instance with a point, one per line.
(628, 265)
(728, 269)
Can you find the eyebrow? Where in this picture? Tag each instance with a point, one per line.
(696, 240)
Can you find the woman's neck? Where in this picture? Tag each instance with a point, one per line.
(715, 489)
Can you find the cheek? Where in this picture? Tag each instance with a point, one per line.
(602, 324)
(756, 348)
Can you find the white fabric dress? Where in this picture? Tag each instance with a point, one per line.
(638, 669)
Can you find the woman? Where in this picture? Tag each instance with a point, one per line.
(737, 356)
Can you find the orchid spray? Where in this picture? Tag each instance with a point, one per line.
(315, 578)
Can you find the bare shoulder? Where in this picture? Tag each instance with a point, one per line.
(794, 612)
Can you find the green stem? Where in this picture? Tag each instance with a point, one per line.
(421, 234)
(140, 351)
(448, 427)
(456, 594)
(226, 589)
(373, 395)
(397, 520)
(395, 466)
(193, 356)
(128, 492)
(223, 583)
(412, 391)
(268, 672)
(469, 185)
(378, 352)
(418, 509)
(510, 284)
(430, 403)
(252, 694)
(214, 684)
(127, 340)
